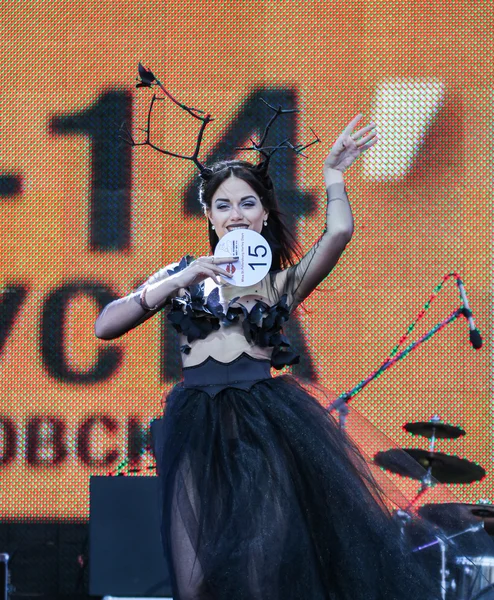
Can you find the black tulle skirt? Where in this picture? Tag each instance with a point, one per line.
(265, 498)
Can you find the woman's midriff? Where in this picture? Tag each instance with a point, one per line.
(224, 345)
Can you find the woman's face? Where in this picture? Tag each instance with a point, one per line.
(236, 205)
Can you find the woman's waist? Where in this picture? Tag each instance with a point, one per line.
(244, 369)
(225, 345)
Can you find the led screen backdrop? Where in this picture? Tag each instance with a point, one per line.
(85, 219)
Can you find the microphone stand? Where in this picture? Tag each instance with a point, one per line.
(341, 403)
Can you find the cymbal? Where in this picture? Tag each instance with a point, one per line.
(444, 468)
(437, 428)
(452, 513)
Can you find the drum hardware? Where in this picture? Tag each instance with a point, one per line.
(482, 594)
(404, 519)
(441, 542)
(434, 429)
(484, 510)
(480, 586)
(430, 468)
(444, 514)
(473, 588)
(443, 468)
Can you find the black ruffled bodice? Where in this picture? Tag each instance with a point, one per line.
(196, 315)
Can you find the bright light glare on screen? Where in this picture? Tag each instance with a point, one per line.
(403, 112)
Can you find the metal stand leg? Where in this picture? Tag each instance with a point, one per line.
(443, 573)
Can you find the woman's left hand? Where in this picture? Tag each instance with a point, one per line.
(350, 145)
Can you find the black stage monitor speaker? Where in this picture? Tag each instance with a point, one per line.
(4, 576)
(125, 551)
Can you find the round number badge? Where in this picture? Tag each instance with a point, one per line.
(254, 256)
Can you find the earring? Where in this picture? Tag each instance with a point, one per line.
(265, 223)
(212, 227)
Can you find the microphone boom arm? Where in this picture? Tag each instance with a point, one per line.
(343, 399)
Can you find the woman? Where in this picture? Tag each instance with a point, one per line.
(263, 497)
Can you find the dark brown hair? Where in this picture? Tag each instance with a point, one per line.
(282, 242)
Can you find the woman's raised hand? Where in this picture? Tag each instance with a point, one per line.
(350, 145)
(202, 268)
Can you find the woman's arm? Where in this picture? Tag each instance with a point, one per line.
(323, 256)
(124, 314)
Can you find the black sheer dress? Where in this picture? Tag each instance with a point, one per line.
(264, 498)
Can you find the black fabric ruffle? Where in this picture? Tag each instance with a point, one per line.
(195, 316)
(265, 498)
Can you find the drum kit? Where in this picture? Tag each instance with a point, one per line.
(462, 577)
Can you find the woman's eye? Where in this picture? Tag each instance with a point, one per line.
(248, 204)
(222, 206)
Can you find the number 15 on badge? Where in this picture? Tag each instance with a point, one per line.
(254, 256)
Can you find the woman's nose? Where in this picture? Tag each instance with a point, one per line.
(236, 213)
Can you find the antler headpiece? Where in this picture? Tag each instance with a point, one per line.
(148, 79)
